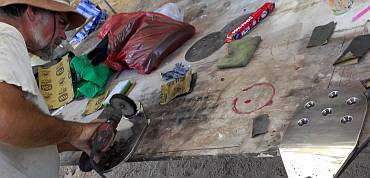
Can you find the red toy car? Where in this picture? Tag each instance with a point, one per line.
(251, 22)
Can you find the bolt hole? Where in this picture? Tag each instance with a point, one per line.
(302, 121)
(327, 111)
(333, 94)
(309, 104)
(346, 119)
(352, 100)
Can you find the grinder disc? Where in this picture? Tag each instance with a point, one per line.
(124, 103)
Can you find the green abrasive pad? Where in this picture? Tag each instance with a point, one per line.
(239, 53)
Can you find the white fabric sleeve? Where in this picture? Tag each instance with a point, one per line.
(15, 65)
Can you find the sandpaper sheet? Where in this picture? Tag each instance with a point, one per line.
(260, 125)
(358, 47)
(96, 103)
(321, 35)
(55, 83)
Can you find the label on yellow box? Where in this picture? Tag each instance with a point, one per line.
(55, 83)
(174, 88)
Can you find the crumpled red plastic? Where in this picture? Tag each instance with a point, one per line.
(141, 40)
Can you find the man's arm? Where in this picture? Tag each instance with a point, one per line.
(22, 124)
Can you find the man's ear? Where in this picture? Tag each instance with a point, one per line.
(31, 14)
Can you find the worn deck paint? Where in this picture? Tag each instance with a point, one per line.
(203, 123)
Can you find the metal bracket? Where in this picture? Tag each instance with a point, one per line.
(324, 132)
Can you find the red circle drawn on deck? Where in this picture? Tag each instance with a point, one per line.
(248, 101)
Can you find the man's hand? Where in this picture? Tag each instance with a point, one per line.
(22, 124)
(82, 142)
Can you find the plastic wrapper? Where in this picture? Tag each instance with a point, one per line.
(88, 10)
(88, 80)
(171, 10)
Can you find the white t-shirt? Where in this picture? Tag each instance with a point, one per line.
(15, 68)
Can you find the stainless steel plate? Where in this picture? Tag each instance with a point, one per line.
(324, 131)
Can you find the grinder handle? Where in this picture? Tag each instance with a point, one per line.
(103, 136)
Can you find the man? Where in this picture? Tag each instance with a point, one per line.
(29, 138)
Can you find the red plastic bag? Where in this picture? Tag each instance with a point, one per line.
(142, 40)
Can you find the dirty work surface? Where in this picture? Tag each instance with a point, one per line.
(204, 122)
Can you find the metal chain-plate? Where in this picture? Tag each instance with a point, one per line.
(324, 131)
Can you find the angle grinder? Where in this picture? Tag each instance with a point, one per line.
(120, 106)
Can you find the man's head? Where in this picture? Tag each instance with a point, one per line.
(43, 27)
